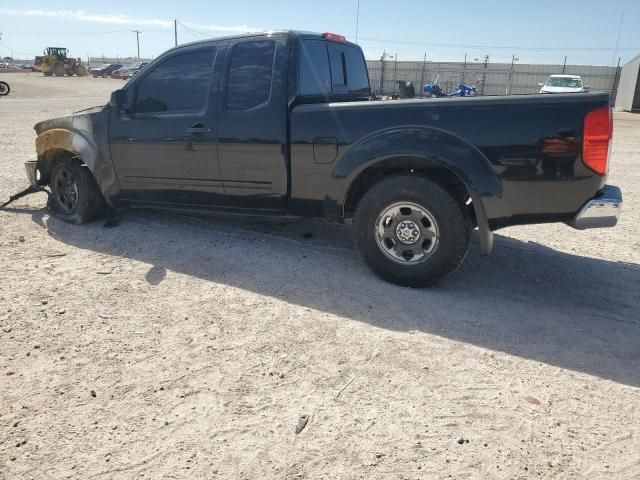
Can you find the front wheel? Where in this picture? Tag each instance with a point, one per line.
(80, 71)
(75, 196)
(411, 231)
(59, 70)
(4, 88)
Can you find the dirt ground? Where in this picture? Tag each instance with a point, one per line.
(175, 346)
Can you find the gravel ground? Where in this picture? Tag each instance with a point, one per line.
(176, 346)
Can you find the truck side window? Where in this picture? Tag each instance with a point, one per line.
(250, 73)
(180, 84)
(348, 71)
(356, 72)
(315, 76)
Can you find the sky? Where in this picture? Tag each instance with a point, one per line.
(539, 31)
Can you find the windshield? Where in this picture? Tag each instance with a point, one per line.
(566, 82)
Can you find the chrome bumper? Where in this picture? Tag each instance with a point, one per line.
(601, 211)
(32, 172)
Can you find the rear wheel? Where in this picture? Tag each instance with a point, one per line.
(411, 231)
(58, 70)
(75, 196)
(4, 88)
(48, 74)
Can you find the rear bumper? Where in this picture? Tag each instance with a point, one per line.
(601, 211)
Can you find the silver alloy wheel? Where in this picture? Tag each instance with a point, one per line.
(407, 233)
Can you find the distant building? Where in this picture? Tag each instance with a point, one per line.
(628, 98)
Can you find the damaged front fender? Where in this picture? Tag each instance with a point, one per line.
(82, 135)
(57, 140)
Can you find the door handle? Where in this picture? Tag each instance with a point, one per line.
(198, 128)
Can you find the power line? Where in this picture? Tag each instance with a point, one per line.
(15, 51)
(70, 33)
(193, 31)
(510, 47)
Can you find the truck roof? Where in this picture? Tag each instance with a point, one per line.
(292, 33)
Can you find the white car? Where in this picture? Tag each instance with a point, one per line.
(563, 84)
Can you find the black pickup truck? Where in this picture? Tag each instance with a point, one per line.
(284, 124)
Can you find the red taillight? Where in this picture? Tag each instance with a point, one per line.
(596, 140)
(335, 37)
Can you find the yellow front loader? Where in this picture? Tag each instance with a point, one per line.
(56, 62)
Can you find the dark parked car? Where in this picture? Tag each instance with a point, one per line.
(283, 124)
(134, 69)
(105, 70)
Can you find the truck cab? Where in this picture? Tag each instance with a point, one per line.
(230, 101)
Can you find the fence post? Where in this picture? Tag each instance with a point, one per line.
(395, 70)
(484, 73)
(381, 85)
(464, 69)
(424, 65)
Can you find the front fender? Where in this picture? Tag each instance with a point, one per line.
(56, 139)
(435, 147)
(83, 135)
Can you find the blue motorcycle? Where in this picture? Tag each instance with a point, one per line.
(464, 91)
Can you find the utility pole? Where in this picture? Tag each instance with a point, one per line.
(175, 33)
(564, 65)
(615, 53)
(137, 32)
(616, 82)
(357, 20)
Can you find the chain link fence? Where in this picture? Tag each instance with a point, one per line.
(489, 78)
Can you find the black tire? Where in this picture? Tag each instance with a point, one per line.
(59, 70)
(4, 88)
(48, 74)
(439, 214)
(75, 196)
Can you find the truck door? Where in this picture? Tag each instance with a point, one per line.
(164, 147)
(252, 119)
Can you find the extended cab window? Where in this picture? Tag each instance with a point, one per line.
(356, 72)
(178, 85)
(250, 72)
(315, 76)
(348, 70)
(338, 70)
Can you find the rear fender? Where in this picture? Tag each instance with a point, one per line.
(433, 146)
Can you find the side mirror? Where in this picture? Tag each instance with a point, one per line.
(541, 84)
(118, 99)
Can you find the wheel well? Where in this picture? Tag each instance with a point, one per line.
(48, 159)
(399, 166)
